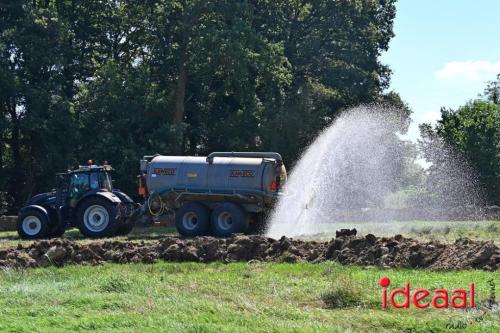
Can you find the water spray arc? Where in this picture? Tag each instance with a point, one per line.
(354, 164)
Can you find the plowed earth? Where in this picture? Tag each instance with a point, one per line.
(346, 248)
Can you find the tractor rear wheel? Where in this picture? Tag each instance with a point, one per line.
(229, 218)
(192, 219)
(32, 224)
(97, 218)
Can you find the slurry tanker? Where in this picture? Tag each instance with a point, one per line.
(221, 194)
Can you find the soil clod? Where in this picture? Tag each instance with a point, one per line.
(346, 248)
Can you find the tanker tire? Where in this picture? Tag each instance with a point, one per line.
(32, 224)
(229, 218)
(96, 218)
(192, 219)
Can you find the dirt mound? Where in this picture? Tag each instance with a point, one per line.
(346, 248)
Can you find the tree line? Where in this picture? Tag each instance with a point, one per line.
(115, 80)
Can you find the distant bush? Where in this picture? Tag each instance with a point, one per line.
(5, 202)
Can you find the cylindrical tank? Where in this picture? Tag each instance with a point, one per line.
(238, 173)
(221, 194)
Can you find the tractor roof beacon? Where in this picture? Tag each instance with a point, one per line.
(83, 198)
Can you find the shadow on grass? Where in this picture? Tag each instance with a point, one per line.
(151, 233)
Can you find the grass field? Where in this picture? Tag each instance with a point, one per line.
(10, 238)
(423, 230)
(443, 231)
(191, 297)
(240, 297)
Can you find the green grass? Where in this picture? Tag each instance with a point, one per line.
(10, 238)
(267, 297)
(193, 297)
(443, 231)
(423, 230)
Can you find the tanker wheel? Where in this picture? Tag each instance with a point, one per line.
(229, 218)
(32, 224)
(97, 218)
(192, 219)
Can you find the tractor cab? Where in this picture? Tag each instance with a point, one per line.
(75, 184)
(83, 198)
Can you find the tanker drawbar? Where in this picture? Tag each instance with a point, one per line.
(221, 194)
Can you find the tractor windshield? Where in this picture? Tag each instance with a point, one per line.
(79, 184)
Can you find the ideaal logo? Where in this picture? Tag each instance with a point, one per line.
(424, 298)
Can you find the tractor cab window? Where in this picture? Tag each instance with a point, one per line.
(105, 180)
(94, 181)
(79, 184)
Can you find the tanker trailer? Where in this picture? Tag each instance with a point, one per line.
(221, 194)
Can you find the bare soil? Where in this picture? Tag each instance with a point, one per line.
(346, 248)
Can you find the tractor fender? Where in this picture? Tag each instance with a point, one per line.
(109, 196)
(35, 207)
(106, 195)
(123, 197)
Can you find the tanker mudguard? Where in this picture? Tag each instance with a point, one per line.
(35, 207)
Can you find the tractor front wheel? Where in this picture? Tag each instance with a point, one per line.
(97, 218)
(32, 224)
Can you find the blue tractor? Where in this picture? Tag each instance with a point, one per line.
(83, 198)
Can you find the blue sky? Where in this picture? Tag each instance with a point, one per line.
(443, 53)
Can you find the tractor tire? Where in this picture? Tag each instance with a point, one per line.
(32, 224)
(96, 218)
(192, 219)
(229, 218)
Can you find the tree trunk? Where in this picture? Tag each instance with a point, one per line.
(180, 94)
(15, 182)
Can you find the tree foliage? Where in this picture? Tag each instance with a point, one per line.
(473, 132)
(114, 80)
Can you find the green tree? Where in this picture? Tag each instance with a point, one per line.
(472, 132)
(333, 48)
(492, 91)
(114, 80)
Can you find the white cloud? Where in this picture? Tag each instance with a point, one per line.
(478, 70)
